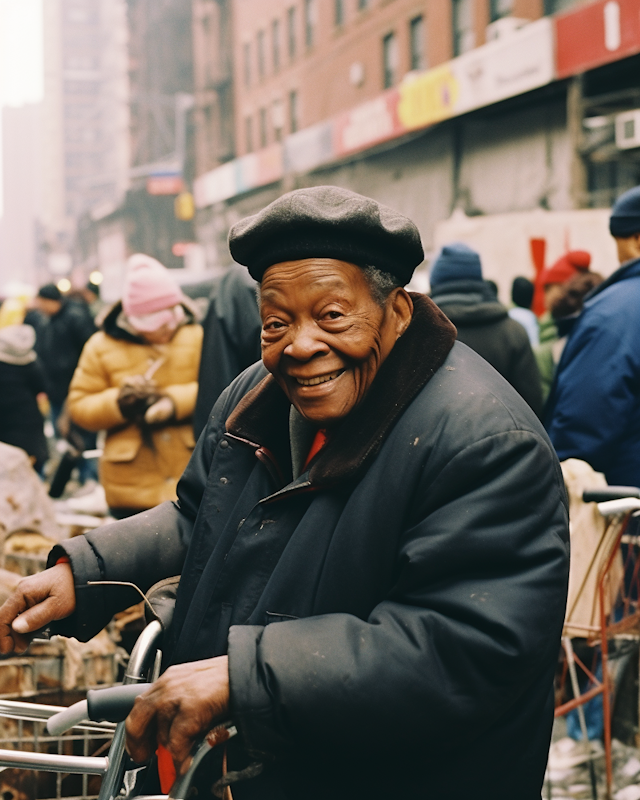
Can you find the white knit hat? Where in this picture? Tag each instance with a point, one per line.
(16, 344)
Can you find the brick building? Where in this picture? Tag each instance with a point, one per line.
(456, 112)
(298, 63)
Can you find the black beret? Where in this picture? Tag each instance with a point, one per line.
(327, 222)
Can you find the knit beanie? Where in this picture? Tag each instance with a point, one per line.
(625, 214)
(50, 292)
(16, 344)
(566, 267)
(148, 287)
(522, 292)
(456, 262)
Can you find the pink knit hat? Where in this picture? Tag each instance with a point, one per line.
(148, 287)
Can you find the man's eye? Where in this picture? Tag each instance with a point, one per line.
(334, 314)
(273, 325)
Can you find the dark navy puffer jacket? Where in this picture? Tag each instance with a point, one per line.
(392, 615)
(593, 412)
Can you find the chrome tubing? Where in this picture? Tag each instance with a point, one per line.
(50, 762)
(142, 653)
(67, 719)
(38, 712)
(142, 657)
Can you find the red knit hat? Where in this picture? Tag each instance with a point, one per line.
(566, 267)
(148, 287)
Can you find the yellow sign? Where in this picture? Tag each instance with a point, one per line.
(429, 98)
(184, 206)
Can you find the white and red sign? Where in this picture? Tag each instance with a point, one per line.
(165, 184)
(596, 34)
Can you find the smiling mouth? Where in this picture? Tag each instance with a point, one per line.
(320, 379)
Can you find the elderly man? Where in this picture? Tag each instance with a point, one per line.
(372, 538)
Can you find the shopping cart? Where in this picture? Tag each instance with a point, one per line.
(53, 739)
(609, 590)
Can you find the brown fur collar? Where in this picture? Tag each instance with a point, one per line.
(262, 416)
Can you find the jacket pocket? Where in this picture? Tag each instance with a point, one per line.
(123, 446)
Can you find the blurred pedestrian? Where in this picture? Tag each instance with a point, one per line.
(89, 294)
(565, 309)
(483, 323)
(553, 279)
(522, 297)
(68, 325)
(137, 379)
(593, 411)
(21, 381)
(231, 340)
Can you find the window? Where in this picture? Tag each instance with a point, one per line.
(389, 60)
(263, 127)
(339, 12)
(275, 43)
(553, 6)
(309, 21)
(500, 8)
(248, 135)
(464, 37)
(417, 58)
(261, 54)
(246, 60)
(293, 111)
(291, 31)
(277, 119)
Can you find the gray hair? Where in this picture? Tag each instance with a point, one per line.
(381, 284)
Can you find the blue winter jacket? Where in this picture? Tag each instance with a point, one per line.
(593, 411)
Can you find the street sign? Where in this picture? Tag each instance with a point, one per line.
(164, 184)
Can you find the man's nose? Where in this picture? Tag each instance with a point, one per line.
(305, 342)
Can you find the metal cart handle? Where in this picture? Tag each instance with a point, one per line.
(102, 705)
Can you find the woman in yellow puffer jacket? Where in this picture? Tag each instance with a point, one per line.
(137, 379)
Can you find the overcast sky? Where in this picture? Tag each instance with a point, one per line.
(20, 54)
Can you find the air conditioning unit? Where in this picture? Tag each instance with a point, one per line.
(504, 26)
(628, 130)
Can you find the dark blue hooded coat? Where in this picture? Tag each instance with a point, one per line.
(593, 411)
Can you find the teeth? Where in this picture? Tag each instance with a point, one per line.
(321, 379)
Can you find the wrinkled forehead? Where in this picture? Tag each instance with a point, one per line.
(312, 276)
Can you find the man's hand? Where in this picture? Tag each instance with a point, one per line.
(37, 601)
(183, 704)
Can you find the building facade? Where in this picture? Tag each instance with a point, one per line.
(22, 194)
(85, 140)
(438, 108)
(298, 63)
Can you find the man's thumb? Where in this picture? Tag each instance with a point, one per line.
(35, 618)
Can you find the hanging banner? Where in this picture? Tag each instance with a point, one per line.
(368, 124)
(309, 148)
(496, 71)
(428, 98)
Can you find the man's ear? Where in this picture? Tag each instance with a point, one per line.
(401, 305)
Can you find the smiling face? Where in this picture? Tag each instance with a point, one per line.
(324, 336)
